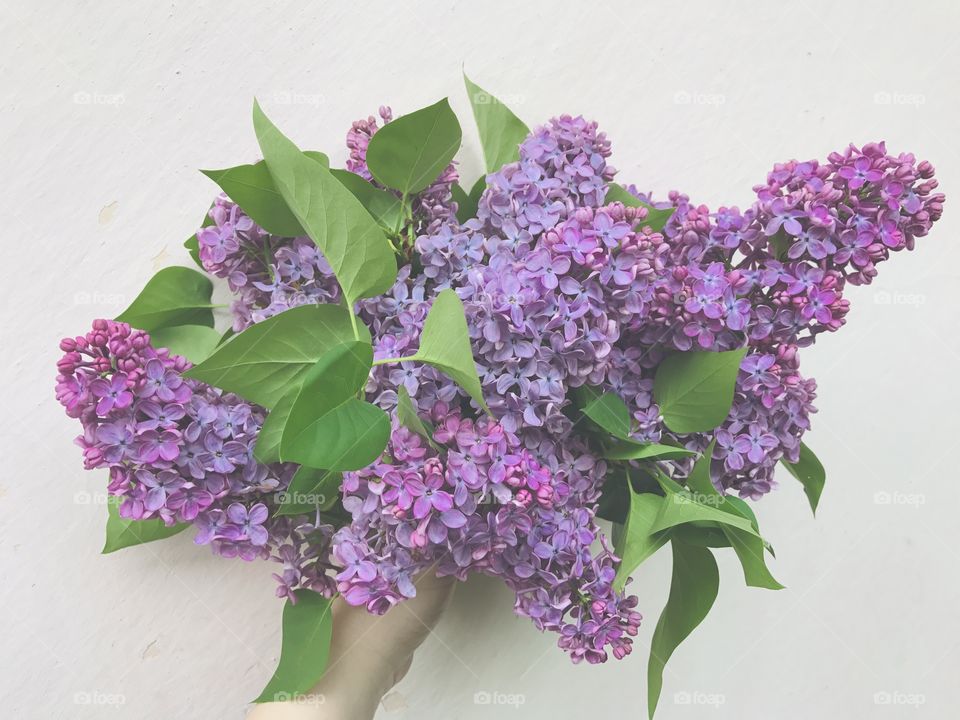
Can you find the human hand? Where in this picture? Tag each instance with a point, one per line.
(369, 654)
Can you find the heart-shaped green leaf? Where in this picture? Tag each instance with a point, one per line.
(410, 152)
(174, 296)
(194, 342)
(122, 533)
(501, 132)
(307, 631)
(809, 471)
(268, 359)
(445, 344)
(252, 188)
(349, 238)
(383, 206)
(693, 590)
(694, 389)
(328, 426)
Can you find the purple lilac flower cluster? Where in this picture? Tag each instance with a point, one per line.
(485, 504)
(182, 451)
(561, 289)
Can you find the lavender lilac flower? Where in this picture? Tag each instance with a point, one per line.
(561, 289)
(182, 452)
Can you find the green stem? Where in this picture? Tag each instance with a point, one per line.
(353, 322)
(384, 361)
(403, 214)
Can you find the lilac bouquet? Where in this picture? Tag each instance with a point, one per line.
(425, 379)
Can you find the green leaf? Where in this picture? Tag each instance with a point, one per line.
(328, 426)
(749, 549)
(693, 590)
(307, 631)
(703, 534)
(695, 389)
(699, 479)
(192, 244)
(383, 206)
(193, 248)
(410, 153)
(349, 238)
(501, 132)
(123, 533)
(467, 203)
(310, 490)
(681, 507)
(267, 448)
(268, 359)
(637, 542)
(407, 416)
(749, 546)
(629, 450)
(742, 507)
(614, 503)
(809, 471)
(174, 296)
(780, 244)
(194, 342)
(609, 412)
(459, 196)
(469, 208)
(445, 344)
(253, 189)
(657, 218)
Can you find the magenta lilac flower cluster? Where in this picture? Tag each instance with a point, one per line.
(181, 451)
(562, 289)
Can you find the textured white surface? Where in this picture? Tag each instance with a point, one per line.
(108, 108)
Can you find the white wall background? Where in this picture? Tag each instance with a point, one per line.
(108, 108)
